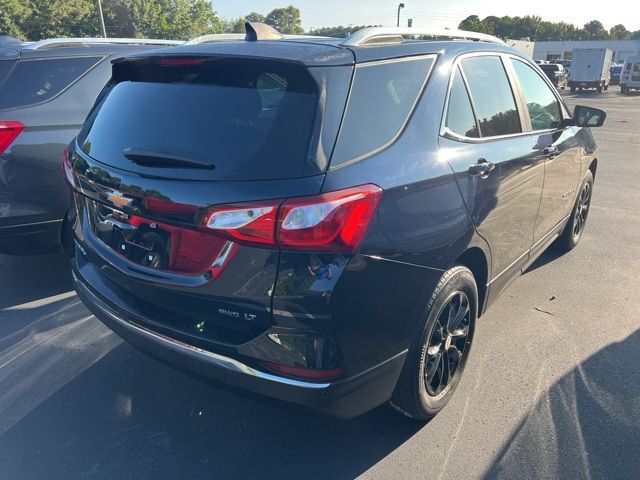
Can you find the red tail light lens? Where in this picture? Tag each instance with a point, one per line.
(8, 133)
(334, 221)
(67, 170)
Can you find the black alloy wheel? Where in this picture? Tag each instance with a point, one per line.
(582, 210)
(447, 344)
(574, 228)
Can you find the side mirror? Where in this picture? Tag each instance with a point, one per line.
(588, 116)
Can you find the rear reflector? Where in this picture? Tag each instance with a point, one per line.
(334, 221)
(8, 133)
(253, 223)
(309, 373)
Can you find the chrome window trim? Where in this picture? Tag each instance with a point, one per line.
(515, 87)
(406, 120)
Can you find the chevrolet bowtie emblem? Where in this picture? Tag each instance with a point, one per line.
(118, 199)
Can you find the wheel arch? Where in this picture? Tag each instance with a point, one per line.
(475, 259)
(593, 167)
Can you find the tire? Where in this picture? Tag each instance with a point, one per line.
(436, 348)
(599, 88)
(606, 87)
(623, 90)
(572, 233)
(573, 89)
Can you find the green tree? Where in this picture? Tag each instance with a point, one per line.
(619, 32)
(255, 17)
(61, 18)
(473, 24)
(233, 26)
(169, 19)
(338, 32)
(635, 35)
(13, 14)
(285, 20)
(594, 30)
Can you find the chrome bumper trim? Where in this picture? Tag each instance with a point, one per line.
(214, 358)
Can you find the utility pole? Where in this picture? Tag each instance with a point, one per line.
(400, 7)
(104, 30)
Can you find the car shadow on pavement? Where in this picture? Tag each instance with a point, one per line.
(25, 279)
(128, 416)
(586, 426)
(76, 402)
(548, 256)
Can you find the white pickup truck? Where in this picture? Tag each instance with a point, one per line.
(590, 69)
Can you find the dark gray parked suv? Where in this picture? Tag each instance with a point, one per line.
(46, 91)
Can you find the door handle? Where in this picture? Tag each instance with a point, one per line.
(482, 168)
(550, 151)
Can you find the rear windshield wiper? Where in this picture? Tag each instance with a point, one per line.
(149, 158)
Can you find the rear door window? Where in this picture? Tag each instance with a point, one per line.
(382, 97)
(36, 81)
(492, 96)
(542, 104)
(460, 118)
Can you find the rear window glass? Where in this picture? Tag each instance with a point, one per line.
(36, 81)
(550, 68)
(382, 97)
(492, 96)
(242, 120)
(5, 68)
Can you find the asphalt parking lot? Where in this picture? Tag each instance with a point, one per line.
(552, 388)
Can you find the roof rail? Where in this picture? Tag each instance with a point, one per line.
(70, 42)
(215, 37)
(379, 35)
(255, 31)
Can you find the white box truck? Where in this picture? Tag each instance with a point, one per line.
(590, 69)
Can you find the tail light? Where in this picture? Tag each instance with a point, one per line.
(335, 221)
(67, 170)
(8, 133)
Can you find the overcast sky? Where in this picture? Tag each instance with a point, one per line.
(322, 13)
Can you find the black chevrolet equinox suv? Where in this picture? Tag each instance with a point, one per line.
(323, 221)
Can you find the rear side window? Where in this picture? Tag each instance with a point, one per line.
(36, 81)
(235, 119)
(636, 68)
(492, 96)
(460, 117)
(542, 104)
(382, 98)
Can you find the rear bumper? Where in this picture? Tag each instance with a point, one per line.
(30, 238)
(345, 398)
(578, 84)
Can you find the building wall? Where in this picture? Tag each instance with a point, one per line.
(562, 50)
